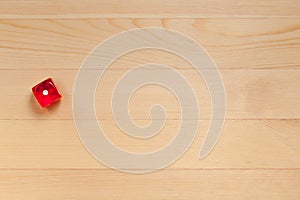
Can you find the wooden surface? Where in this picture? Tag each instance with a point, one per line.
(255, 44)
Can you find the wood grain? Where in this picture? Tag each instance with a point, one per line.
(256, 46)
(232, 43)
(155, 8)
(188, 184)
(244, 144)
(251, 94)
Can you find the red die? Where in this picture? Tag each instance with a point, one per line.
(46, 92)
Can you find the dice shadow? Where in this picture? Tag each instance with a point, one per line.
(38, 110)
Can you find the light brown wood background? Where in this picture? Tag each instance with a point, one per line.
(256, 45)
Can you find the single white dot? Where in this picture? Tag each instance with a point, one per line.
(45, 92)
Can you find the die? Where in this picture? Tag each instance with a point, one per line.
(46, 93)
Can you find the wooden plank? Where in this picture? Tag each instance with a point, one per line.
(256, 45)
(154, 8)
(244, 144)
(251, 94)
(178, 184)
(232, 43)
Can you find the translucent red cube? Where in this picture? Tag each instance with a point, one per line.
(46, 93)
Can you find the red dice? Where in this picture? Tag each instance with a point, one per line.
(46, 93)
